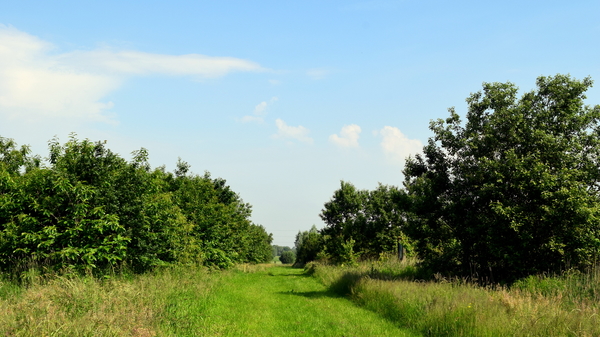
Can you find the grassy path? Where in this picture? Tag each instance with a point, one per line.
(280, 301)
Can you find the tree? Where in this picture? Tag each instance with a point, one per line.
(308, 245)
(278, 250)
(258, 245)
(287, 257)
(515, 190)
(91, 210)
(363, 223)
(345, 222)
(15, 161)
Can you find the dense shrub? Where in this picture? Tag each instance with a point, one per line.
(287, 257)
(91, 209)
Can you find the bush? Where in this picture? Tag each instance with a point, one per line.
(287, 257)
(91, 210)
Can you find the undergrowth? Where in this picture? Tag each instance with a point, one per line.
(79, 305)
(564, 305)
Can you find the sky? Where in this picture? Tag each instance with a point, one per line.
(283, 99)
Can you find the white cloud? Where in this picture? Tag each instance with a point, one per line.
(285, 131)
(36, 82)
(260, 111)
(318, 73)
(140, 63)
(349, 136)
(260, 108)
(396, 146)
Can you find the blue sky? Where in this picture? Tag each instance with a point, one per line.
(282, 99)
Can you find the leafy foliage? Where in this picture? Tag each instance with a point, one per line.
(308, 245)
(278, 250)
(362, 223)
(287, 257)
(514, 190)
(91, 209)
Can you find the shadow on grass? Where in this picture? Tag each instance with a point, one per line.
(311, 294)
(289, 271)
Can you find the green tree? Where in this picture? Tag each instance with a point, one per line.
(51, 217)
(278, 250)
(345, 221)
(287, 257)
(258, 245)
(308, 245)
(15, 160)
(362, 223)
(157, 231)
(221, 221)
(90, 209)
(514, 190)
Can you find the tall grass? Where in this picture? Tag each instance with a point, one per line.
(175, 302)
(565, 305)
(76, 305)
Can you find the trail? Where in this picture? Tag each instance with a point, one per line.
(280, 301)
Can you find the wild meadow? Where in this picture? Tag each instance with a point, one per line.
(383, 298)
(79, 305)
(249, 300)
(563, 305)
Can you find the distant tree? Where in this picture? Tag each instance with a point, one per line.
(258, 245)
(278, 250)
(514, 190)
(308, 245)
(287, 257)
(362, 223)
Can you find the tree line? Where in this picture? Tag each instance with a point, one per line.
(514, 190)
(285, 254)
(86, 208)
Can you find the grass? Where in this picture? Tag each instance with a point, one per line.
(74, 305)
(382, 298)
(251, 300)
(537, 306)
(279, 300)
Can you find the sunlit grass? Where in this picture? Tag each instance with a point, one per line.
(538, 306)
(249, 300)
(75, 305)
(372, 299)
(277, 301)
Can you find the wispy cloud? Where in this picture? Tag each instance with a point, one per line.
(260, 108)
(285, 131)
(35, 81)
(260, 111)
(396, 146)
(140, 63)
(349, 136)
(318, 73)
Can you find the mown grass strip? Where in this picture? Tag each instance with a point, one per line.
(277, 301)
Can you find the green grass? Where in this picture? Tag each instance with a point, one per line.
(537, 306)
(382, 298)
(278, 301)
(75, 305)
(263, 300)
